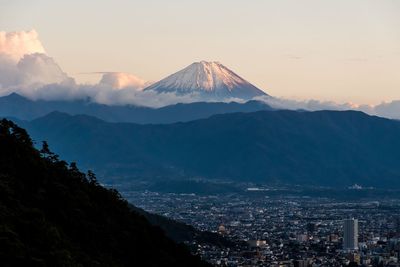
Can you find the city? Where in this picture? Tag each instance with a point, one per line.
(200, 133)
(286, 230)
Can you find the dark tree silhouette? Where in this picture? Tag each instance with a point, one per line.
(51, 214)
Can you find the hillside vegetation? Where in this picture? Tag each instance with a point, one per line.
(51, 214)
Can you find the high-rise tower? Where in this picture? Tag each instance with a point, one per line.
(350, 236)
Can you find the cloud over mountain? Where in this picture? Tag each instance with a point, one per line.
(40, 69)
(312, 104)
(17, 44)
(121, 80)
(24, 64)
(388, 109)
(25, 68)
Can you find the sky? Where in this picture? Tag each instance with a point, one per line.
(341, 50)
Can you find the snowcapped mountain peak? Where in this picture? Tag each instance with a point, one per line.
(209, 79)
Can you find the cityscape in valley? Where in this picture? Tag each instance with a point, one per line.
(286, 230)
(265, 133)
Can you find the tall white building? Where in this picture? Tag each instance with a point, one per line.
(350, 235)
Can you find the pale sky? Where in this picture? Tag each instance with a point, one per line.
(340, 50)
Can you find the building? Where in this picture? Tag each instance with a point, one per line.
(300, 263)
(354, 257)
(257, 243)
(222, 229)
(302, 238)
(350, 234)
(333, 238)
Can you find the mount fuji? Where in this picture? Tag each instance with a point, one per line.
(209, 81)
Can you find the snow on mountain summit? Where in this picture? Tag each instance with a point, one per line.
(212, 80)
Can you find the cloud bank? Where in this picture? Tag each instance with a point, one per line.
(389, 110)
(25, 68)
(122, 80)
(24, 64)
(17, 44)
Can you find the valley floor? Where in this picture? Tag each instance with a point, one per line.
(284, 230)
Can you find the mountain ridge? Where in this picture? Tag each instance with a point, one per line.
(15, 105)
(326, 148)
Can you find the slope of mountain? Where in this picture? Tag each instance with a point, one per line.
(20, 107)
(210, 80)
(51, 214)
(313, 148)
(180, 232)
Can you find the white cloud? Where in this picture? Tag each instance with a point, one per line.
(388, 110)
(122, 80)
(9, 74)
(282, 103)
(40, 69)
(140, 98)
(30, 72)
(25, 68)
(17, 44)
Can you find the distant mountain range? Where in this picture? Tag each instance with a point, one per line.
(17, 106)
(209, 80)
(329, 148)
